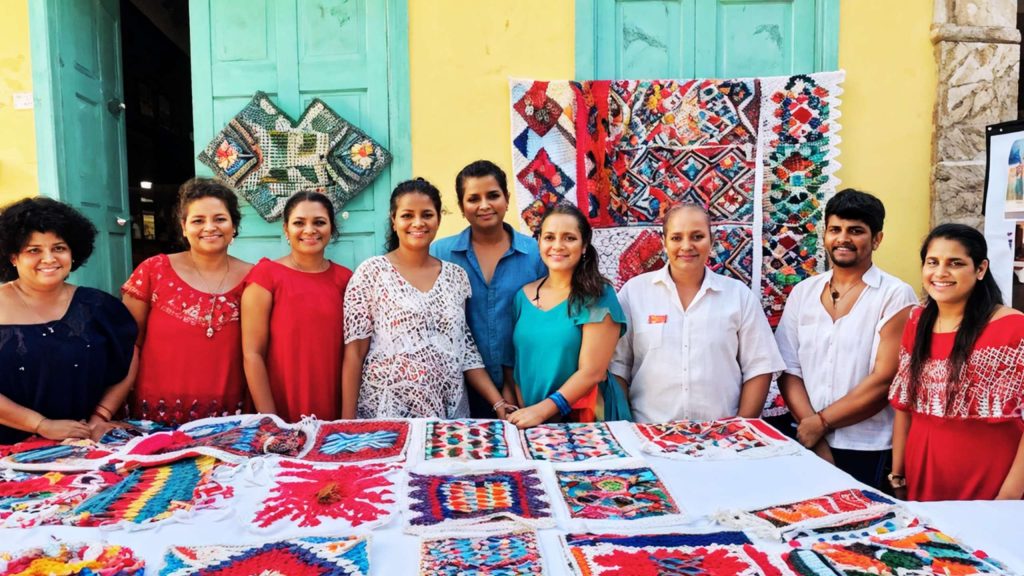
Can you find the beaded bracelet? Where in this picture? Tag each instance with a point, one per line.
(503, 404)
(563, 405)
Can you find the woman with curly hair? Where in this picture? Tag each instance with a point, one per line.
(66, 352)
(188, 305)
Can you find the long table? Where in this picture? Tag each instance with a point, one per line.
(700, 487)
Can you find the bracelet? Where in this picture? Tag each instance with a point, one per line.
(38, 424)
(563, 405)
(825, 424)
(105, 409)
(97, 412)
(897, 480)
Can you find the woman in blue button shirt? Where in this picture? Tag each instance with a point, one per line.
(498, 261)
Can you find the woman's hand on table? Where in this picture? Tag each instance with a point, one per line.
(533, 415)
(63, 429)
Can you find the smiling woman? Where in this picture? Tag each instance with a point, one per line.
(65, 351)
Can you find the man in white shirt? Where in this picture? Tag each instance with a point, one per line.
(839, 336)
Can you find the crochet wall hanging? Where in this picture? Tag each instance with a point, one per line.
(485, 500)
(807, 518)
(915, 551)
(759, 154)
(306, 496)
(268, 157)
(322, 556)
(45, 455)
(716, 553)
(28, 500)
(723, 439)
(347, 441)
(628, 495)
(572, 442)
(62, 559)
(513, 553)
(465, 439)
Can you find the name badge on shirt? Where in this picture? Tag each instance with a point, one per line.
(657, 318)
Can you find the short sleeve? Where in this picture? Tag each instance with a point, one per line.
(140, 284)
(622, 360)
(113, 320)
(358, 307)
(899, 298)
(899, 396)
(758, 353)
(262, 275)
(786, 334)
(606, 305)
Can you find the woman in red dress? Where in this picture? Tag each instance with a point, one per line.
(959, 391)
(292, 334)
(187, 308)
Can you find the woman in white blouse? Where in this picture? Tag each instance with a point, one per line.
(697, 344)
(407, 343)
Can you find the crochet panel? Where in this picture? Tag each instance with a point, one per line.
(28, 500)
(59, 558)
(618, 497)
(572, 442)
(465, 439)
(322, 556)
(723, 439)
(349, 441)
(71, 455)
(514, 553)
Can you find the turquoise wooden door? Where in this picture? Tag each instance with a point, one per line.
(704, 38)
(295, 51)
(77, 71)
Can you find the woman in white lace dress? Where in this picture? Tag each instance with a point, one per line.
(407, 344)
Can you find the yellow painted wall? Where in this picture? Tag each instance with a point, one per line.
(17, 130)
(462, 53)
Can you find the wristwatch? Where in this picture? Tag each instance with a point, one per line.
(897, 480)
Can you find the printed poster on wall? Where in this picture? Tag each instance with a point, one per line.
(1004, 209)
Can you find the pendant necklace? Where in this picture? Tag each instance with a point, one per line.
(17, 290)
(213, 293)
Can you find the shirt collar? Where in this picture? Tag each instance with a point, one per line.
(711, 282)
(520, 242)
(872, 277)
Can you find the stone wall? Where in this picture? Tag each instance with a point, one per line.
(977, 48)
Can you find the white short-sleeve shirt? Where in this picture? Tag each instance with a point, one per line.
(692, 363)
(833, 357)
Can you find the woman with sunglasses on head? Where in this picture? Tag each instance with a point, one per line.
(959, 391)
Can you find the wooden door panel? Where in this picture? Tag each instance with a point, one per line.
(741, 38)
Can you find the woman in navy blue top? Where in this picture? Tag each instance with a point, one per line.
(65, 351)
(498, 260)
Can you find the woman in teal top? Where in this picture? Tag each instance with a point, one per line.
(566, 327)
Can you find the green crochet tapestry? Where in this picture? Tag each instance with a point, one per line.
(267, 157)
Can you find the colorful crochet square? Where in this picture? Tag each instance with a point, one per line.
(320, 556)
(572, 442)
(31, 500)
(714, 439)
(512, 554)
(634, 494)
(465, 439)
(481, 500)
(543, 147)
(59, 559)
(46, 455)
(345, 441)
(625, 252)
(714, 554)
(915, 551)
(801, 134)
(268, 157)
(149, 495)
(305, 496)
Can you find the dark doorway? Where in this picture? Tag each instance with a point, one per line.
(158, 119)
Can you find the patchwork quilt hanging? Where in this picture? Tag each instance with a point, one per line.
(268, 157)
(62, 559)
(712, 554)
(485, 500)
(834, 515)
(40, 454)
(350, 441)
(28, 500)
(714, 439)
(572, 442)
(628, 495)
(918, 550)
(465, 439)
(513, 553)
(322, 556)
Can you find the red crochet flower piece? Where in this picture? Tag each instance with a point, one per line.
(305, 495)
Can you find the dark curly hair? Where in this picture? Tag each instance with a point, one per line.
(20, 219)
(415, 186)
(198, 188)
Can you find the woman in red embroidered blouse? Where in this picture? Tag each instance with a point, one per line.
(187, 306)
(959, 391)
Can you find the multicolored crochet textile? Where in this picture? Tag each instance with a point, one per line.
(492, 500)
(151, 495)
(346, 441)
(800, 148)
(320, 556)
(840, 511)
(305, 496)
(572, 442)
(40, 454)
(915, 551)
(625, 252)
(543, 147)
(512, 554)
(60, 559)
(28, 500)
(714, 554)
(606, 496)
(465, 439)
(268, 157)
(714, 439)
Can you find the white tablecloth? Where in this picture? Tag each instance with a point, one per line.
(701, 488)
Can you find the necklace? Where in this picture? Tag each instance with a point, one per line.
(323, 265)
(213, 293)
(835, 295)
(21, 298)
